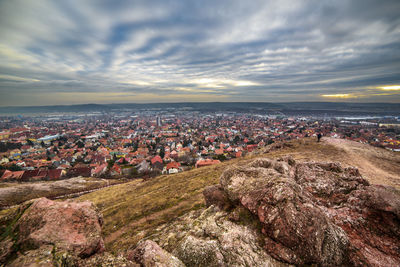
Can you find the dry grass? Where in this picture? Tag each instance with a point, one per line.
(134, 209)
(16, 193)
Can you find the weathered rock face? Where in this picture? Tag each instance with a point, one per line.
(49, 229)
(215, 195)
(149, 254)
(209, 238)
(318, 213)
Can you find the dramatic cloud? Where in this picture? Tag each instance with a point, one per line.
(56, 52)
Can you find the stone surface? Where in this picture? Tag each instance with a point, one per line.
(108, 260)
(215, 195)
(318, 213)
(208, 238)
(149, 254)
(46, 230)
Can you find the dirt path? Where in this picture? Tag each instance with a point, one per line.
(378, 165)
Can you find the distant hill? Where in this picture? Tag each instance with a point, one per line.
(292, 108)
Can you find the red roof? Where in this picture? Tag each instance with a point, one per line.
(156, 159)
(8, 175)
(173, 165)
(54, 174)
(219, 151)
(206, 162)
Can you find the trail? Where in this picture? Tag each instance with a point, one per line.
(377, 165)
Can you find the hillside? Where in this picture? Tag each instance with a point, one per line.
(134, 210)
(301, 202)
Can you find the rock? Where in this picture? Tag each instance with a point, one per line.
(45, 256)
(107, 260)
(47, 229)
(215, 195)
(208, 238)
(318, 213)
(149, 254)
(237, 181)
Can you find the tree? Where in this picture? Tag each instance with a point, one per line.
(162, 152)
(134, 147)
(30, 143)
(110, 163)
(236, 139)
(221, 157)
(80, 144)
(14, 168)
(185, 143)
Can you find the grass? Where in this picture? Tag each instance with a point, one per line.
(16, 193)
(134, 209)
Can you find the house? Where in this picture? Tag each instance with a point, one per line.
(172, 167)
(79, 171)
(219, 151)
(10, 175)
(157, 163)
(29, 174)
(55, 174)
(4, 160)
(115, 170)
(143, 167)
(99, 170)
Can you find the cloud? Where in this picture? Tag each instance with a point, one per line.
(390, 87)
(162, 50)
(339, 96)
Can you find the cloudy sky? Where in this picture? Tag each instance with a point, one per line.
(69, 52)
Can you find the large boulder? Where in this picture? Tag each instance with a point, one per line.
(318, 213)
(46, 228)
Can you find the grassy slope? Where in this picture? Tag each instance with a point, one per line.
(16, 193)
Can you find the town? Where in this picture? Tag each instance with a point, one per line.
(153, 142)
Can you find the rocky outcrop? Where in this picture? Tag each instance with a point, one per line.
(318, 213)
(210, 238)
(149, 254)
(48, 231)
(281, 212)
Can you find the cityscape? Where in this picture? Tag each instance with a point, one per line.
(207, 133)
(147, 143)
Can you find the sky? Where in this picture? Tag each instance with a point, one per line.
(82, 51)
